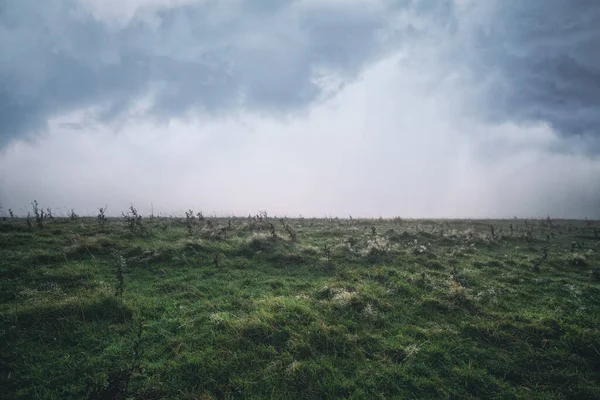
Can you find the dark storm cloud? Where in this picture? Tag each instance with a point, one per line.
(529, 61)
(539, 60)
(211, 56)
(54, 61)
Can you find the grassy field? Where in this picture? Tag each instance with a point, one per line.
(269, 308)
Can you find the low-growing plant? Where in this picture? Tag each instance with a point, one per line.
(222, 233)
(101, 217)
(578, 259)
(189, 221)
(457, 292)
(262, 216)
(528, 237)
(133, 220)
(352, 241)
(327, 252)
(39, 214)
(119, 276)
(538, 263)
(291, 232)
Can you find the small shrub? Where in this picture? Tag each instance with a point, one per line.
(538, 263)
(189, 221)
(133, 220)
(222, 233)
(376, 247)
(39, 214)
(101, 218)
(291, 232)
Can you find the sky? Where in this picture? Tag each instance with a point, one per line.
(411, 108)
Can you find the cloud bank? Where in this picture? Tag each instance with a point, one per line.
(385, 107)
(536, 61)
(202, 57)
(525, 61)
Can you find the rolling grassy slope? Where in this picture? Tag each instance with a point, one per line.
(254, 308)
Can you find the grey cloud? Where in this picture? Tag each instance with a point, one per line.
(53, 62)
(539, 61)
(399, 150)
(527, 61)
(211, 56)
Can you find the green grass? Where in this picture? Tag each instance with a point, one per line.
(415, 309)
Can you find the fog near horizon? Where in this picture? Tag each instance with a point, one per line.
(311, 107)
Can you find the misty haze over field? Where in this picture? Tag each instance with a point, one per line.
(437, 108)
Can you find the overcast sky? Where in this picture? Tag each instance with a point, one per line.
(416, 108)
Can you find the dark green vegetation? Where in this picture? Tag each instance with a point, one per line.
(258, 307)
